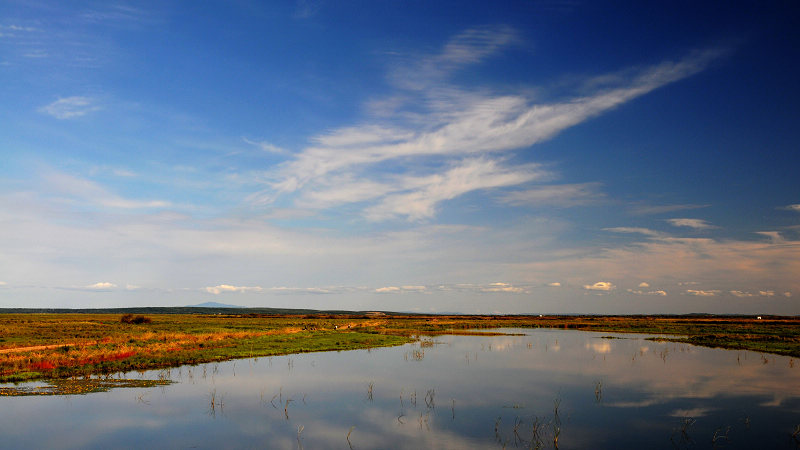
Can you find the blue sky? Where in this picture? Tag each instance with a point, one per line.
(532, 157)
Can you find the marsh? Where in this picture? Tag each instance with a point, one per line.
(530, 388)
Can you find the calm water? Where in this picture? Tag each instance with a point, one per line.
(461, 392)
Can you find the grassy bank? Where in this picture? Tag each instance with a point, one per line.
(36, 346)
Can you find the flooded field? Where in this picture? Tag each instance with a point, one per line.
(535, 389)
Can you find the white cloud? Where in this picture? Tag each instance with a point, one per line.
(697, 224)
(388, 290)
(644, 284)
(401, 289)
(502, 287)
(14, 27)
(635, 230)
(644, 210)
(724, 264)
(267, 147)
(103, 285)
(555, 284)
(774, 236)
(600, 286)
(87, 191)
(702, 293)
(489, 288)
(466, 48)
(226, 288)
(423, 194)
(341, 190)
(659, 292)
(3, 283)
(310, 290)
(766, 293)
(434, 142)
(795, 207)
(742, 294)
(71, 107)
(414, 288)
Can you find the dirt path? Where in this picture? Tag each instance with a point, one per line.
(35, 347)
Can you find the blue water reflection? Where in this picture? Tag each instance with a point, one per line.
(546, 387)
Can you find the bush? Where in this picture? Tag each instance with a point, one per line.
(130, 318)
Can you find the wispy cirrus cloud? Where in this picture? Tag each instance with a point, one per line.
(659, 292)
(116, 13)
(71, 107)
(483, 124)
(774, 236)
(558, 195)
(702, 293)
(466, 48)
(87, 192)
(432, 141)
(644, 210)
(745, 294)
(101, 286)
(267, 146)
(401, 289)
(795, 207)
(697, 224)
(228, 289)
(418, 196)
(14, 30)
(636, 230)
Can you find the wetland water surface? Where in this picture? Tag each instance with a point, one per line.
(520, 391)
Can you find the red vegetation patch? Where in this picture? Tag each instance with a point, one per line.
(106, 358)
(43, 365)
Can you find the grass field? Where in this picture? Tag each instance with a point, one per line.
(48, 346)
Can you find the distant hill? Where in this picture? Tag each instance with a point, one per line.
(213, 305)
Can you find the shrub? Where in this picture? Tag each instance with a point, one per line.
(130, 318)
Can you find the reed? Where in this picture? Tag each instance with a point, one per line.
(684, 440)
(720, 437)
(429, 400)
(556, 423)
(598, 391)
(216, 402)
(300, 429)
(517, 437)
(286, 408)
(536, 438)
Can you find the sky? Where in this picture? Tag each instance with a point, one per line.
(522, 157)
